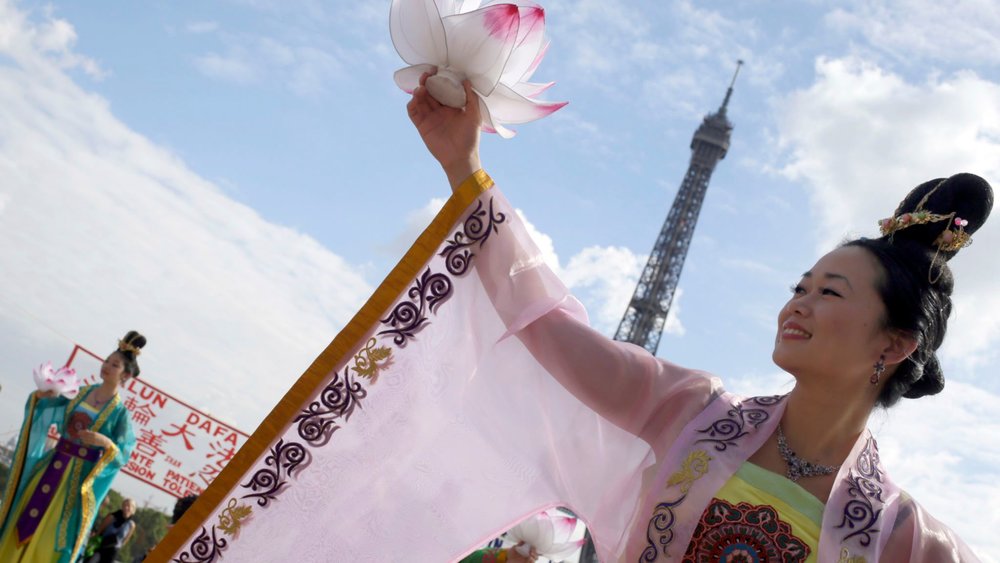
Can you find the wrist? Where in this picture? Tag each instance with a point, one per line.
(459, 170)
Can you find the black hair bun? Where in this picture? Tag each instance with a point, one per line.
(133, 338)
(966, 195)
(930, 380)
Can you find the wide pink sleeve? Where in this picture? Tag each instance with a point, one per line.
(622, 382)
(918, 537)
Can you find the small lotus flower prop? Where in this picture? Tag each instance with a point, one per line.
(63, 381)
(496, 45)
(549, 533)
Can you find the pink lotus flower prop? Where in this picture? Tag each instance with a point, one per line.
(63, 381)
(549, 533)
(496, 44)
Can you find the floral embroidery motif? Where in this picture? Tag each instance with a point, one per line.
(232, 517)
(456, 253)
(367, 361)
(864, 485)
(692, 468)
(318, 421)
(285, 457)
(846, 557)
(659, 531)
(725, 431)
(743, 533)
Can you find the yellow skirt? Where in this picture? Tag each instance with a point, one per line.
(40, 547)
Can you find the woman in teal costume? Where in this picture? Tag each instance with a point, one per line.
(53, 495)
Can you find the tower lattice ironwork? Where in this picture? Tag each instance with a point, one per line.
(643, 321)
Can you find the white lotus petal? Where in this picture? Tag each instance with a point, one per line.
(480, 43)
(563, 551)
(504, 132)
(531, 89)
(43, 376)
(409, 78)
(417, 32)
(468, 6)
(448, 7)
(507, 106)
(530, 39)
(563, 528)
(534, 64)
(546, 532)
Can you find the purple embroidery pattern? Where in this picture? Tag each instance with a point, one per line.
(318, 422)
(659, 531)
(722, 433)
(204, 548)
(864, 485)
(337, 401)
(409, 317)
(285, 457)
(726, 431)
(477, 228)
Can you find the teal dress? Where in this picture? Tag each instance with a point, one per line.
(70, 512)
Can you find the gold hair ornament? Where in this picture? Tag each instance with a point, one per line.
(952, 239)
(129, 347)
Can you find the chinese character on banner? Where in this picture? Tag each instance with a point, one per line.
(179, 449)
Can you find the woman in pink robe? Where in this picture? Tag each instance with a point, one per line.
(795, 477)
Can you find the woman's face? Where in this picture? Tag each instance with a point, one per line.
(833, 325)
(128, 508)
(113, 369)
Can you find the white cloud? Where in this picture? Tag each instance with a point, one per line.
(103, 232)
(231, 67)
(963, 32)
(305, 70)
(51, 38)
(544, 243)
(605, 278)
(201, 27)
(414, 224)
(860, 137)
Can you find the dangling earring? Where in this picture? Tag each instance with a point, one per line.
(879, 369)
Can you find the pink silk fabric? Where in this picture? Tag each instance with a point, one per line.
(503, 402)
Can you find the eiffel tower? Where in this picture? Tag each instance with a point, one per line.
(643, 321)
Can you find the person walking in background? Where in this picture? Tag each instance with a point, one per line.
(115, 530)
(52, 496)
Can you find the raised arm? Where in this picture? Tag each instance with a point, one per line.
(621, 382)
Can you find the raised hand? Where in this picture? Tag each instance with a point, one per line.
(95, 439)
(451, 135)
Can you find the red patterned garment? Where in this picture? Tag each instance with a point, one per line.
(743, 533)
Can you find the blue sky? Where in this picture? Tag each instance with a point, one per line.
(234, 178)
